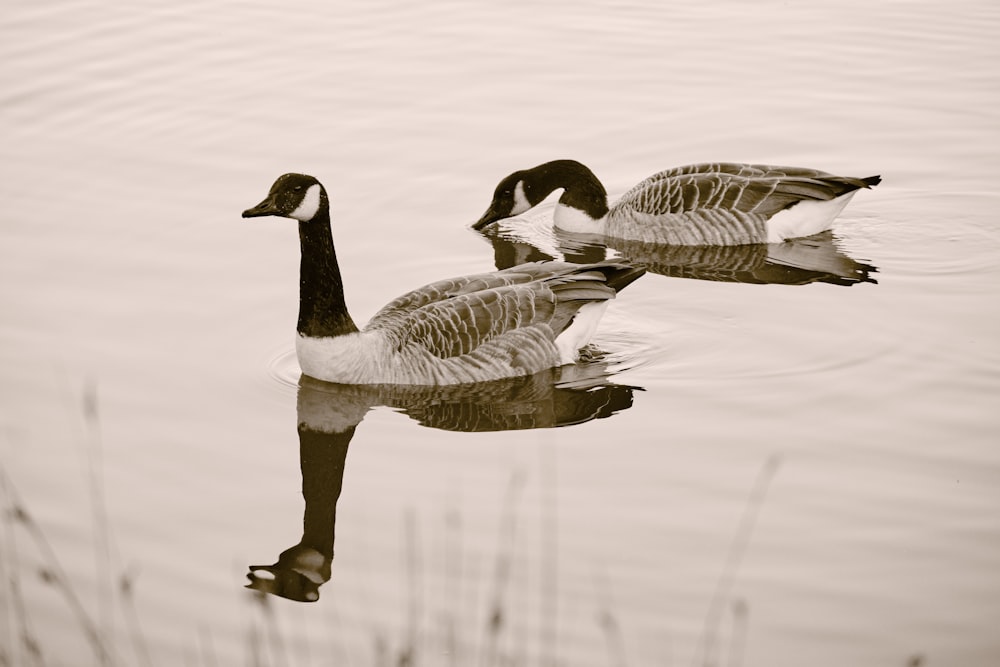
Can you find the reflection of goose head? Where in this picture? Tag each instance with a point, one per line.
(329, 413)
(297, 575)
(537, 240)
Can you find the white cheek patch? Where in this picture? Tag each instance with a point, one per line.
(309, 207)
(521, 203)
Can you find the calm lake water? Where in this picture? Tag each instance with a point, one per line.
(755, 473)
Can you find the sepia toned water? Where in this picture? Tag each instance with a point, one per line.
(787, 455)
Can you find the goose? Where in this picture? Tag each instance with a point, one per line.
(472, 328)
(714, 204)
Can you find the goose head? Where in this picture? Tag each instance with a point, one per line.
(295, 196)
(582, 206)
(322, 309)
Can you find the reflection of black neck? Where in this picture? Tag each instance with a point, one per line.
(304, 567)
(322, 309)
(322, 457)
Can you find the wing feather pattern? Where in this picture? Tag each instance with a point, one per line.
(763, 193)
(720, 203)
(452, 318)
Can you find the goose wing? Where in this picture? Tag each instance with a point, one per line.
(394, 313)
(455, 317)
(745, 188)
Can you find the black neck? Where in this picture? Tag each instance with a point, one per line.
(322, 309)
(581, 188)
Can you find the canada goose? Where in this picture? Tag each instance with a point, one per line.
(471, 328)
(702, 204)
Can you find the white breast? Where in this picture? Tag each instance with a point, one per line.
(350, 359)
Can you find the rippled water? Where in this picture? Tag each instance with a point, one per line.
(772, 463)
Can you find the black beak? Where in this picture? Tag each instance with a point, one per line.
(491, 215)
(266, 207)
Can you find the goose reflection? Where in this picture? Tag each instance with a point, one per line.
(328, 415)
(793, 262)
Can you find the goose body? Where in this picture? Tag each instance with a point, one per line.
(713, 204)
(471, 328)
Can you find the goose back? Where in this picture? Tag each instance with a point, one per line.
(726, 203)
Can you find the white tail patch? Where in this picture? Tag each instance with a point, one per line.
(805, 218)
(580, 331)
(309, 206)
